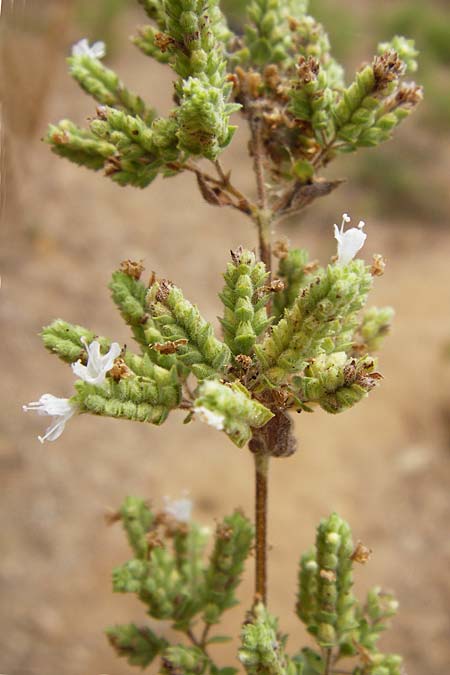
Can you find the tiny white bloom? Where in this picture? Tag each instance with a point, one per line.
(349, 242)
(59, 408)
(97, 366)
(215, 420)
(180, 509)
(82, 48)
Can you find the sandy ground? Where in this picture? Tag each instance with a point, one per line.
(384, 465)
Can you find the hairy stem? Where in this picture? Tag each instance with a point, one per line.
(262, 215)
(261, 503)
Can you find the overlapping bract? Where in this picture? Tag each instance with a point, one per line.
(171, 576)
(322, 319)
(233, 404)
(315, 351)
(285, 58)
(328, 608)
(245, 297)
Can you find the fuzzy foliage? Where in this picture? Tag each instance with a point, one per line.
(233, 405)
(140, 646)
(64, 340)
(171, 577)
(281, 75)
(282, 65)
(319, 321)
(105, 87)
(375, 325)
(296, 272)
(328, 608)
(147, 398)
(337, 382)
(262, 651)
(234, 538)
(177, 319)
(245, 297)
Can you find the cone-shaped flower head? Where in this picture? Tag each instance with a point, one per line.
(61, 409)
(82, 48)
(97, 366)
(180, 509)
(349, 242)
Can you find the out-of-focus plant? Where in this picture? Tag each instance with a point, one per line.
(294, 339)
(100, 18)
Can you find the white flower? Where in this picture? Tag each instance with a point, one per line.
(59, 408)
(215, 420)
(82, 48)
(180, 509)
(350, 242)
(97, 366)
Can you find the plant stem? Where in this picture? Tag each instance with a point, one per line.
(263, 219)
(328, 655)
(261, 503)
(263, 215)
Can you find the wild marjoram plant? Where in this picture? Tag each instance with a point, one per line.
(293, 339)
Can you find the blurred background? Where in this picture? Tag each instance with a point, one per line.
(384, 465)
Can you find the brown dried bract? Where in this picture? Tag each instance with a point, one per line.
(170, 347)
(112, 517)
(277, 286)
(281, 249)
(224, 531)
(152, 279)
(154, 540)
(408, 95)
(163, 41)
(387, 68)
(120, 370)
(165, 286)
(378, 265)
(307, 69)
(236, 255)
(60, 138)
(254, 83)
(293, 23)
(311, 267)
(361, 554)
(272, 77)
(102, 112)
(112, 166)
(132, 268)
(328, 575)
(244, 361)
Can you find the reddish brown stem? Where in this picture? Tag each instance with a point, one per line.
(261, 496)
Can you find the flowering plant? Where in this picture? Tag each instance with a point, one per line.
(294, 339)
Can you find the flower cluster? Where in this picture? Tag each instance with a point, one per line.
(311, 351)
(62, 409)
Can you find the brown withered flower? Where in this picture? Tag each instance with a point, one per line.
(132, 268)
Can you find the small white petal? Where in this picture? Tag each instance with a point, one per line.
(61, 409)
(215, 420)
(98, 50)
(94, 372)
(180, 509)
(82, 48)
(349, 242)
(346, 218)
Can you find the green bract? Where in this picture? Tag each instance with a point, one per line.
(282, 62)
